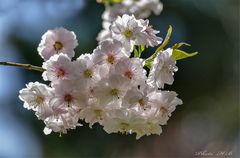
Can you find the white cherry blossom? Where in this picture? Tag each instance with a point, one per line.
(149, 125)
(127, 29)
(163, 69)
(139, 8)
(67, 95)
(105, 33)
(57, 41)
(109, 52)
(165, 102)
(111, 13)
(111, 89)
(132, 70)
(119, 121)
(61, 123)
(36, 97)
(58, 68)
(129, 122)
(88, 72)
(136, 98)
(149, 36)
(143, 8)
(94, 112)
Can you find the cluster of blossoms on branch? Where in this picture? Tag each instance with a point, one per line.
(110, 86)
(141, 9)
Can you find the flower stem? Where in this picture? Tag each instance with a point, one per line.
(24, 66)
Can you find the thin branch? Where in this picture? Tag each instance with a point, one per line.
(24, 66)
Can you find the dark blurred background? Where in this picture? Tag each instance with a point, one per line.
(208, 84)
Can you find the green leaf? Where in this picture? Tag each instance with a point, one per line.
(106, 3)
(138, 50)
(148, 61)
(141, 48)
(179, 54)
(136, 53)
(116, 1)
(166, 40)
(148, 64)
(178, 45)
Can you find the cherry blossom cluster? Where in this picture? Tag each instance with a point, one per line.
(141, 9)
(109, 86)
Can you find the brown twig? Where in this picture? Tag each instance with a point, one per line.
(24, 66)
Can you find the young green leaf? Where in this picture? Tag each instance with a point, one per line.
(166, 40)
(116, 1)
(160, 48)
(141, 48)
(148, 64)
(178, 45)
(136, 52)
(106, 3)
(178, 54)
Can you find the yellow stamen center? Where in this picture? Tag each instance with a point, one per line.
(68, 98)
(60, 73)
(58, 45)
(124, 126)
(111, 59)
(114, 92)
(98, 113)
(128, 33)
(128, 74)
(163, 110)
(88, 73)
(141, 102)
(39, 99)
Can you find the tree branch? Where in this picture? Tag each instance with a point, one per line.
(24, 66)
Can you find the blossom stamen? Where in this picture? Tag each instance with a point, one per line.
(141, 102)
(39, 100)
(88, 73)
(114, 92)
(68, 98)
(60, 73)
(99, 113)
(58, 45)
(124, 126)
(128, 74)
(163, 110)
(111, 59)
(128, 33)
